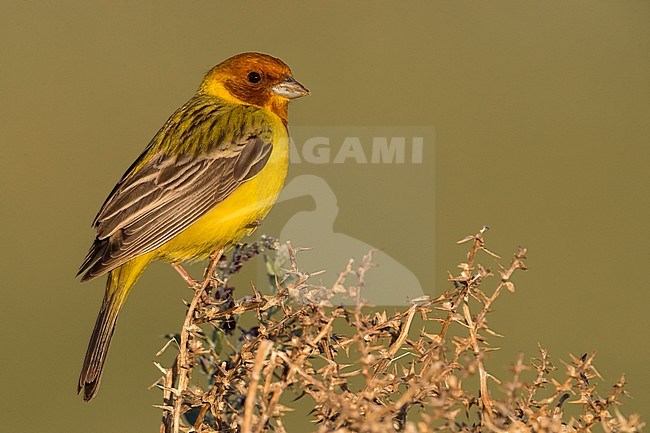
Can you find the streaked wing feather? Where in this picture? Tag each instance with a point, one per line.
(166, 195)
(131, 204)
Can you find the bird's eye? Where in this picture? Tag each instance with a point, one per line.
(254, 77)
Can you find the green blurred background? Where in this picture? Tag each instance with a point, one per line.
(541, 116)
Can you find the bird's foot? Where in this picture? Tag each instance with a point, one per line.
(206, 299)
(194, 284)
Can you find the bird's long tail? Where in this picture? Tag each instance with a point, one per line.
(118, 286)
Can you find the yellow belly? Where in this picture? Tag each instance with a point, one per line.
(234, 217)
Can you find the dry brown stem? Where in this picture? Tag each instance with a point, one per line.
(364, 370)
(179, 375)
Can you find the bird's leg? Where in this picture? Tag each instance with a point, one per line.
(194, 284)
(186, 276)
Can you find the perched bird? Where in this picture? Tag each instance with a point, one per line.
(206, 179)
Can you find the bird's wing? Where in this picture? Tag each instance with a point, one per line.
(169, 192)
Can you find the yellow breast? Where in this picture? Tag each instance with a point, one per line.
(234, 217)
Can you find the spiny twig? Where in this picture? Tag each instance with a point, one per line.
(180, 374)
(364, 369)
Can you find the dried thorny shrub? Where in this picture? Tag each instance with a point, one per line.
(368, 371)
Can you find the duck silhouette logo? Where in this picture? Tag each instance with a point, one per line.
(389, 282)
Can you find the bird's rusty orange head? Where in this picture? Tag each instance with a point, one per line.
(254, 79)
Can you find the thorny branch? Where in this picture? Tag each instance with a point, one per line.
(361, 369)
(179, 375)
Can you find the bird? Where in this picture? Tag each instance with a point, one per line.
(206, 179)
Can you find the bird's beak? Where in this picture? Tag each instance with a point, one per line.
(290, 89)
